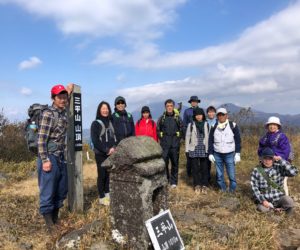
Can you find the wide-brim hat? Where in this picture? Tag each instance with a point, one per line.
(194, 98)
(273, 120)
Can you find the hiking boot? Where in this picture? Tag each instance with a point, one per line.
(55, 215)
(49, 222)
(197, 189)
(104, 201)
(204, 190)
(173, 186)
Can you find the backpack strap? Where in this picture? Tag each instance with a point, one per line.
(269, 181)
(111, 127)
(232, 125)
(102, 129)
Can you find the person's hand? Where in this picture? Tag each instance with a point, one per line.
(211, 158)
(111, 150)
(47, 166)
(277, 158)
(266, 204)
(237, 157)
(70, 88)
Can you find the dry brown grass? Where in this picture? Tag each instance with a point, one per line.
(20, 221)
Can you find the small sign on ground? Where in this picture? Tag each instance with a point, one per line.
(163, 232)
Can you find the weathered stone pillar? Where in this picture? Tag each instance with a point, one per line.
(138, 188)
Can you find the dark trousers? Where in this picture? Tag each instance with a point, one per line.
(103, 176)
(209, 170)
(188, 164)
(53, 185)
(173, 155)
(200, 171)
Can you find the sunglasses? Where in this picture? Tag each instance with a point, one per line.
(118, 103)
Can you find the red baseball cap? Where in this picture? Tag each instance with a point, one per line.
(57, 89)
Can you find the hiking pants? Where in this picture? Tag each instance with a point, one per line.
(53, 185)
(188, 164)
(103, 176)
(200, 171)
(173, 155)
(285, 202)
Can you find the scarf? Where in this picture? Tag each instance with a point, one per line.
(211, 122)
(200, 126)
(223, 125)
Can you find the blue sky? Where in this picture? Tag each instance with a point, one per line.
(244, 52)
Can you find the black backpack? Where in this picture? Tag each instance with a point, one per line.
(35, 112)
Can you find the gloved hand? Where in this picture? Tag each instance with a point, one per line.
(237, 157)
(212, 158)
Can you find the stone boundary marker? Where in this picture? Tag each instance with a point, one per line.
(138, 189)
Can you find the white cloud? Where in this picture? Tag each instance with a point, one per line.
(134, 19)
(262, 64)
(273, 40)
(25, 91)
(32, 62)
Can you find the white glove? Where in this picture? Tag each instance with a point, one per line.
(237, 157)
(212, 158)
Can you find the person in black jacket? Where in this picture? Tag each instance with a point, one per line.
(104, 142)
(170, 131)
(122, 120)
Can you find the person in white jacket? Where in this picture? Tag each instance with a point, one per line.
(224, 149)
(196, 140)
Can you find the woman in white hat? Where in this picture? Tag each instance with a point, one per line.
(277, 141)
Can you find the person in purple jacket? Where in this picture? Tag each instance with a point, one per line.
(277, 141)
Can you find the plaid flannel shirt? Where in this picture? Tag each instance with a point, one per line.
(262, 191)
(52, 131)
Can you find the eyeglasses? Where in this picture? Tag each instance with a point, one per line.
(118, 103)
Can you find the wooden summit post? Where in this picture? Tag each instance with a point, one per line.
(74, 152)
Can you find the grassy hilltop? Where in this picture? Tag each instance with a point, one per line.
(212, 221)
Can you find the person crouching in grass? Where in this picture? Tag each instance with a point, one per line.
(267, 183)
(197, 146)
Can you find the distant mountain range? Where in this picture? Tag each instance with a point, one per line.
(242, 115)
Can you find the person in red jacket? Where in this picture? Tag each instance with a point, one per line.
(146, 126)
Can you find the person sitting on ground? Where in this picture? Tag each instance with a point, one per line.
(145, 126)
(267, 182)
(196, 143)
(224, 148)
(104, 142)
(277, 141)
(122, 120)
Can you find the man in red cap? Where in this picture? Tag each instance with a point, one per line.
(52, 170)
